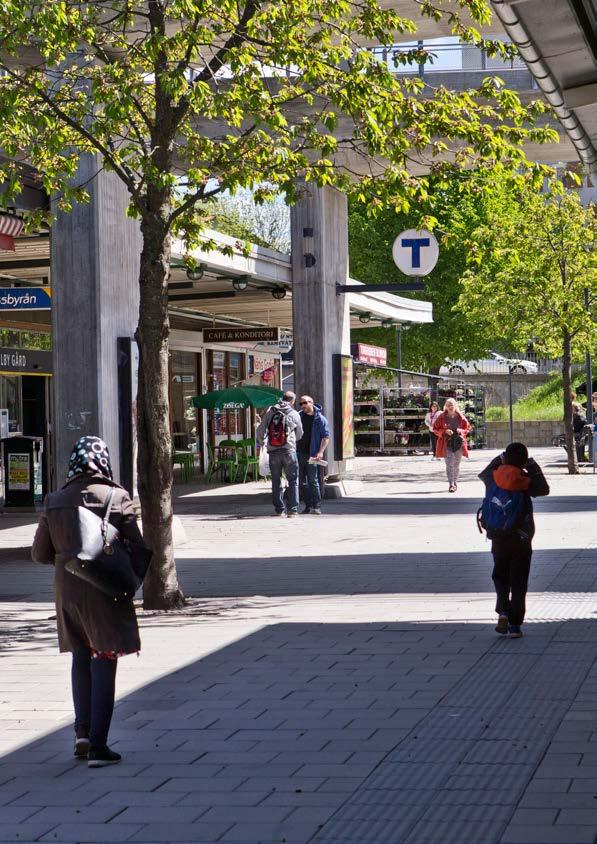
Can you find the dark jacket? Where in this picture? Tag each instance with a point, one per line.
(319, 430)
(85, 616)
(293, 427)
(529, 480)
(579, 420)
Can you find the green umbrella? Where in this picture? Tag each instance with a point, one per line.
(237, 398)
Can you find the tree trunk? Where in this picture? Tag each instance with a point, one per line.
(161, 589)
(567, 385)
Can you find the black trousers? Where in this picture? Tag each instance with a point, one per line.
(94, 687)
(511, 567)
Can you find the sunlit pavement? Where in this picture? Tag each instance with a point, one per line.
(333, 679)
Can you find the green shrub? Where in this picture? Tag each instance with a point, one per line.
(543, 404)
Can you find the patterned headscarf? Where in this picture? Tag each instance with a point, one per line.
(89, 454)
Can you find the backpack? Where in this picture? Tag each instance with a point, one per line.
(502, 511)
(276, 430)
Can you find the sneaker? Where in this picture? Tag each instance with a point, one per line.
(306, 511)
(291, 514)
(316, 511)
(452, 488)
(81, 748)
(101, 758)
(281, 515)
(502, 625)
(514, 631)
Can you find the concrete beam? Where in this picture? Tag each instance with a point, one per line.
(580, 95)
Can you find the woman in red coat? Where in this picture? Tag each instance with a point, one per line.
(451, 422)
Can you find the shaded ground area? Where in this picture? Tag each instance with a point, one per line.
(334, 680)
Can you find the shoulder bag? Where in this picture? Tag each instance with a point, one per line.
(105, 560)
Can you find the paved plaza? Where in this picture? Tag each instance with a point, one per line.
(333, 680)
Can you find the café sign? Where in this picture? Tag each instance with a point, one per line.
(267, 334)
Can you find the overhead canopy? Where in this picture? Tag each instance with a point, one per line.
(267, 275)
(558, 41)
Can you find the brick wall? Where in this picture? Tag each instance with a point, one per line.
(530, 433)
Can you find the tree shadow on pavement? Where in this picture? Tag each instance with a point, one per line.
(331, 733)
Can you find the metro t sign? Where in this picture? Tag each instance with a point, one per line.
(415, 252)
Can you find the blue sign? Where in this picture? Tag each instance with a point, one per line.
(25, 298)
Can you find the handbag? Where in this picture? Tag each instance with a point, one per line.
(105, 560)
(455, 442)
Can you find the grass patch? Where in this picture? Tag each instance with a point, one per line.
(543, 404)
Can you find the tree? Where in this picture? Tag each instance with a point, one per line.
(534, 278)
(454, 210)
(266, 224)
(186, 99)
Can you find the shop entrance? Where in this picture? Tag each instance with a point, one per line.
(35, 399)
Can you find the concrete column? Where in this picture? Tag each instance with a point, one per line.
(321, 322)
(94, 254)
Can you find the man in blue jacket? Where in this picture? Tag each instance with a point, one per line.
(310, 449)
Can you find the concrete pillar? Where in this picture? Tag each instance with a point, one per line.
(94, 255)
(321, 321)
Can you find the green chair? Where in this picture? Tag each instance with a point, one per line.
(247, 458)
(186, 461)
(223, 458)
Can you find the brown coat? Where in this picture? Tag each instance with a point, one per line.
(85, 616)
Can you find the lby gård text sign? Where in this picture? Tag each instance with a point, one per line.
(25, 298)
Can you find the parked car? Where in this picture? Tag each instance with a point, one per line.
(495, 363)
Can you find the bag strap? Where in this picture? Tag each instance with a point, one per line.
(106, 519)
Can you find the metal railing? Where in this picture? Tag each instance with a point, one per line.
(443, 57)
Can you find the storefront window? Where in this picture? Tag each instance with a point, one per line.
(185, 430)
(225, 369)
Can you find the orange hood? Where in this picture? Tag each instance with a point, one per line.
(512, 478)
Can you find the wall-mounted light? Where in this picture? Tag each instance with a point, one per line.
(196, 273)
(310, 260)
(240, 283)
(279, 292)
(387, 323)
(365, 317)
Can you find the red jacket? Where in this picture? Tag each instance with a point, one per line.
(440, 427)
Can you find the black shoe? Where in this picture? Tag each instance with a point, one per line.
(306, 511)
(81, 748)
(101, 758)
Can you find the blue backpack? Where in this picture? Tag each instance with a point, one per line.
(502, 512)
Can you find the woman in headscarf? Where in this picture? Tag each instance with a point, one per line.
(94, 627)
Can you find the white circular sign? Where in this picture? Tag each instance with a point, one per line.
(415, 252)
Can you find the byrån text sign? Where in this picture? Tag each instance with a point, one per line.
(25, 298)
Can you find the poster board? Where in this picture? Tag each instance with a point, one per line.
(343, 408)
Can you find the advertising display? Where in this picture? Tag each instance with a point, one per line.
(343, 405)
(19, 472)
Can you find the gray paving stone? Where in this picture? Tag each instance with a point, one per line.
(535, 817)
(182, 832)
(365, 831)
(437, 832)
(99, 833)
(548, 835)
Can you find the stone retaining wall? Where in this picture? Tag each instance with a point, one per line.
(533, 434)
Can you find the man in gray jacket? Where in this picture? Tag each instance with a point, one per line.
(279, 430)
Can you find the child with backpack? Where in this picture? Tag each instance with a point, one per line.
(511, 480)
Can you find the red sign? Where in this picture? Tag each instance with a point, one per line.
(372, 354)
